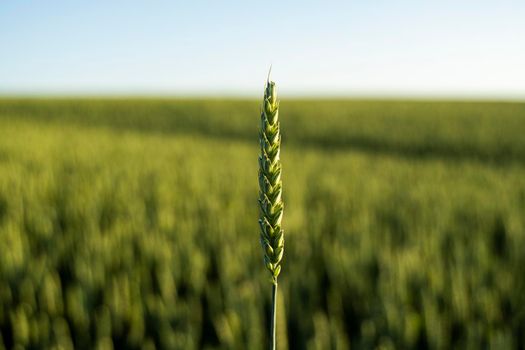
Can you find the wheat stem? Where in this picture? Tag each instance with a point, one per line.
(270, 185)
(274, 315)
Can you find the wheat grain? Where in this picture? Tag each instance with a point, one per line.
(270, 194)
(270, 200)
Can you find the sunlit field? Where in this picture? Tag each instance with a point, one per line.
(132, 223)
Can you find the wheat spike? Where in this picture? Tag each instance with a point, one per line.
(270, 185)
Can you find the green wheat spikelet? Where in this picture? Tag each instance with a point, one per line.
(270, 185)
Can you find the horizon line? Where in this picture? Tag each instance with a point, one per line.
(215, 94)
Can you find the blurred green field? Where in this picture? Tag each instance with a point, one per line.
(132, 223)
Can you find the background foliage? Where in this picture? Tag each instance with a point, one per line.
(133, 224)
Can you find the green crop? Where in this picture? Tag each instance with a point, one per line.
(270, 192)
(131, 223)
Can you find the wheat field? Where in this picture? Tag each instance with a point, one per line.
(132, 223)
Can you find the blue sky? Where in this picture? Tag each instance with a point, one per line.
(452, 48)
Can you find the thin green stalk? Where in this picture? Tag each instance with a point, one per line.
(274, 315)
(270, 194)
